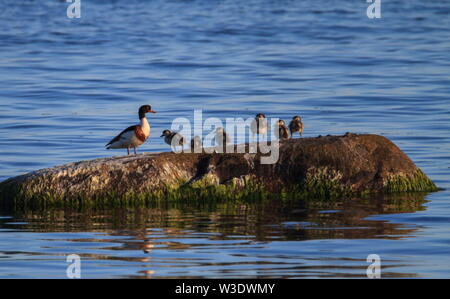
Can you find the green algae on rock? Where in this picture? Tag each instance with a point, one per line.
(307, 168)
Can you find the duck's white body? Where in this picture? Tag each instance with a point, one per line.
(133, 136)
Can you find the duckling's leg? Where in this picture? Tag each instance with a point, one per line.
(135, 152)
(128, 150)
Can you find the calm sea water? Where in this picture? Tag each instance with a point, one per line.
(68, 85)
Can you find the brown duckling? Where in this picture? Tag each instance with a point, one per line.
(296, 125)
(281, 130)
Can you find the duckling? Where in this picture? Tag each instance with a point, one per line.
(222, 137)
(259, 125)
(133, 136)
(196, 142)
(173, 138)
(296, 125)
(281, 130)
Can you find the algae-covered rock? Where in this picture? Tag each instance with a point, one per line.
(322, 167)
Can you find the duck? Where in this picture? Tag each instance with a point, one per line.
(296, 125)
(281, 130)
(173, 138)
(133, 136)
(222, 137)
(196, 142)
(259, 125)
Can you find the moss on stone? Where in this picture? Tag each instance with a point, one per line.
(325, 183)
(245, 189)
(319, 184)
(417, 182)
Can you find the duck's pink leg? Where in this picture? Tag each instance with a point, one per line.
(135, 152)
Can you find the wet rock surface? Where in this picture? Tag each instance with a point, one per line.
(319, 167)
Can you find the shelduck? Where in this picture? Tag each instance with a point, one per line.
(133, 136)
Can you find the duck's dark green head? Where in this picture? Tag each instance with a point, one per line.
(145, 109)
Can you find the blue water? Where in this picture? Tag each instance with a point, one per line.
(67, 86)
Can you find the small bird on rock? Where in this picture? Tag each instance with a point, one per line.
(296, 125)
(173, 139)
(281, 130)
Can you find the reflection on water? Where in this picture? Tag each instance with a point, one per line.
(266, 239)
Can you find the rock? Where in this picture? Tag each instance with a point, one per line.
(325, 167)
